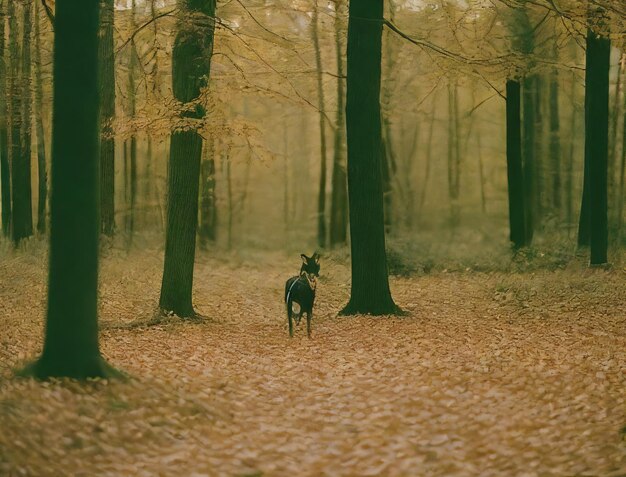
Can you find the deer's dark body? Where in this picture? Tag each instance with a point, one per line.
(301, 290)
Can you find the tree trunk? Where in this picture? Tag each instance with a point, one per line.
(597, 136)
(515, 172)
(429, 156)
(208, 210)
(622, 179)
(555, 140)
(106, 56)
(20, 166)
(528, 156)
(191, 64)
(5, 179)
(71, 336)
(132, 178)
(370, 284)
(41, 140)
(321, 200)
(454, 152)
(339, 198)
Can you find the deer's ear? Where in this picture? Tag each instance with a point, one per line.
(316, 257)
(304, 258)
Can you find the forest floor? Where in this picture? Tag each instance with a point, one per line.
(490, 374)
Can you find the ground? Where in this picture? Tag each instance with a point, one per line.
(487, 374)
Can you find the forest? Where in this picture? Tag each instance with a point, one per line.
(312, 238)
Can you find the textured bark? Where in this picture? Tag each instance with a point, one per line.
(515, 173)
(5, 178)
(191, 62)
(321, 198)
(71, 336)
(107, 115)
(339, 197)
(370, 285)
(41, 143)
(21, 162)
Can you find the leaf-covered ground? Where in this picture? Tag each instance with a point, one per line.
(489, 374)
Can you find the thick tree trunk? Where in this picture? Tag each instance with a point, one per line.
(515, 173)
(106, 57)
(5, 178)
(339, 197)
(597, 136)
(191, 63)
(321, 198)
(41, 140)
(71, 337)
(370, 284)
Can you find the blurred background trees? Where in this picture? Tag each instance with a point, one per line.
(273, 165)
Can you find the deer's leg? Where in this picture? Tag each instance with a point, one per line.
(290, 319)
(308, 323)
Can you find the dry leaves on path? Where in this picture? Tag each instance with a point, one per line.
(487, 375)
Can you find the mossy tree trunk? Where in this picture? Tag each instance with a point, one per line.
(71, 336)
(370, 284)
(191, 63)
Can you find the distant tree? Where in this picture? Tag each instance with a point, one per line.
(71, 336)
(594, 214)
(370, 284)
(339, 195)
(191, 65)
(515, 173)
(130, 159)
(208, 208)
(5, 177)
(42, 173)
(22, 214)
(321, 197)
(106, 57)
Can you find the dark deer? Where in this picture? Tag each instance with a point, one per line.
(300, 292)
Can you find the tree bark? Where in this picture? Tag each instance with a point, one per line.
(191, 64)
(555, 141)
(370, 284)
(71, 336)
(515, 172)
(132, 172)
(107, 116)
(208, 210)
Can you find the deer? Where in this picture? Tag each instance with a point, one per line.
(300, 292)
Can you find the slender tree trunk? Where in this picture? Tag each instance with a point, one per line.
(71, 336)
(528, 156)
(5, 171)
(21, 167)
(321, 200)
(191, 64)
(132, 178)
(555, 141)
(370, 285)
(613, 187)
(597, 136)
(41, 143)
(106, 58)
(429, 155)
(515, 172)
(339, 198)
(481, 172)
(208, 215)
(622, 179)
(454, 152)
(569, 173)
